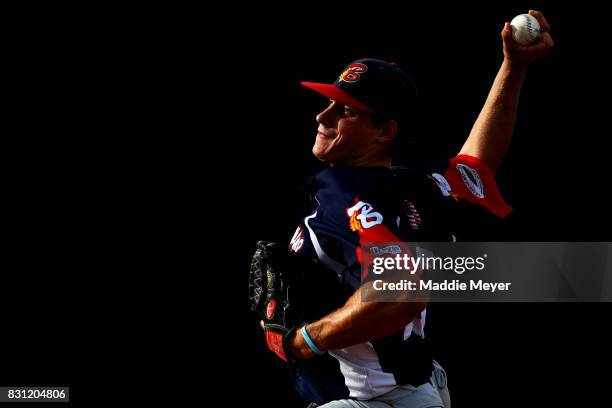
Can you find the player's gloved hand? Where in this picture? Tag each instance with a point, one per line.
(295, 345)
(523, 55)
(288, 290)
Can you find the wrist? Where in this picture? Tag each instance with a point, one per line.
(299, 347)
(514, 67)
(311, 343)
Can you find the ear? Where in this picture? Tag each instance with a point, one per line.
(388, 131)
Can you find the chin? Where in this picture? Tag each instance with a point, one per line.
(320, 150)
(318, 154)
(325, 149)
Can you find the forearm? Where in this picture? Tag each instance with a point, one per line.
(357, 322)
(492, 131)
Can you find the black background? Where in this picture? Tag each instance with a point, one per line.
(555, 174)
(151, 148)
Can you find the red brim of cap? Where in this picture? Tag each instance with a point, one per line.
(333, 92)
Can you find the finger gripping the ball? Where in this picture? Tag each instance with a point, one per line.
(525, 29)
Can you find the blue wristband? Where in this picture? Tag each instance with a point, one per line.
(310, 343)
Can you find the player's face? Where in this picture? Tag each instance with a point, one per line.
(347, 135)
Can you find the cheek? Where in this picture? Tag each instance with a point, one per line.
(347, 132)
(354, 134)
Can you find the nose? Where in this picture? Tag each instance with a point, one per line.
(326, 117)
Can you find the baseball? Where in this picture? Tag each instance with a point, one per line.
(525, 29)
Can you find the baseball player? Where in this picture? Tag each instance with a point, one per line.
(374, 354)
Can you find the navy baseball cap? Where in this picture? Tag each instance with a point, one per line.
(372, 85)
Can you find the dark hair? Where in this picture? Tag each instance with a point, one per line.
(403, 144)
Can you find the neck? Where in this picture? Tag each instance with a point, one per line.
(369, 162)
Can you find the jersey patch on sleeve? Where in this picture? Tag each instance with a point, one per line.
(471, 179)
(468, 178)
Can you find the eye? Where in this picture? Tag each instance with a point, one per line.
(349, 112)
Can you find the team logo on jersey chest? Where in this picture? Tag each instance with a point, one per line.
(362, 216)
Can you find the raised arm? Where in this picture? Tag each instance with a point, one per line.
(492, 131)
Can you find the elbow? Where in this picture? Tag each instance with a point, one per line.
(410, 310)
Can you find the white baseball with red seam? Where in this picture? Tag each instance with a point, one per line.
(525, 29)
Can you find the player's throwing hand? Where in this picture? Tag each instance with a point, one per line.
(525, 54)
